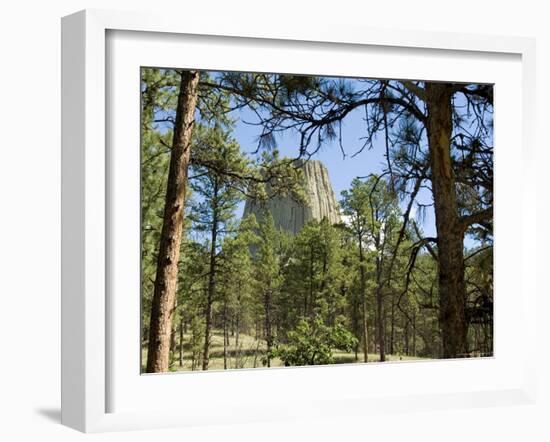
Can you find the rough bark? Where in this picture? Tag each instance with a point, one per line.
(449, 231)
(164, 294)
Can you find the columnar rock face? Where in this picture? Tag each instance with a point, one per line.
(291, 215)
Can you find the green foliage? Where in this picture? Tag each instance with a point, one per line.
(236, 273)
(372, 209)
(312, 342)
(302, 300)
(314, 274)
(293, 85)
(216, 182)
(267, 261)
(158, 96)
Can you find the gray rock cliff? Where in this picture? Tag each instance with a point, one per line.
(291, 215)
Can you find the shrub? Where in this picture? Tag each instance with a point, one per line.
(312, 341)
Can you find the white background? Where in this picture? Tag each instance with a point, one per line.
(30, 216)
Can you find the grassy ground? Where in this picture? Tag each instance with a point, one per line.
(250, 353)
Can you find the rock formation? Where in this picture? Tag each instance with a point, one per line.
(291, 215)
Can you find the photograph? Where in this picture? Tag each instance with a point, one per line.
(293, 220)
(229, 221)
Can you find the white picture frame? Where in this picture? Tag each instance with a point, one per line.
(87, 316)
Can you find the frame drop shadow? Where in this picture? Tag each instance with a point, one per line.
(51, 414)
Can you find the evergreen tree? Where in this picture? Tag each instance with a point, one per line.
(237, 285)
(355, 206)
(453, 152)
(313, 275)
(268, 276)
(216, 197)
(332, 291)
(165, 286)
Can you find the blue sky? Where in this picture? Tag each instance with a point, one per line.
(341, 170)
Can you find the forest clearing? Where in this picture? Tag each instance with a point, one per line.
(250, 353)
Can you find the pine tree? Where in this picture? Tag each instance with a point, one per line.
(237, 285)
(268, 276)
(316, 107)
(165, 287)
(216, 196)
(355, 205)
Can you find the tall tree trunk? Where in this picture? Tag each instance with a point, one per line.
(172, 346)
(145, 337)
(392, 325)
(238, 320)
(357, 326)
(487, 339)
(477, 341)
(237, 348)
(406, 338)
(164, 294)
(268, 335)
(237, 331)
(380, 316)
(255, 364)
(414, 334)
(181, 342)
(363, 279)
(225, 335)
(211, 292)
(311, 300)
(381, 325)
(452, 290)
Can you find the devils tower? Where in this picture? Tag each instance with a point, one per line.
(291, 215)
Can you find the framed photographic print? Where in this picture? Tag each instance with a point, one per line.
(292, 222)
